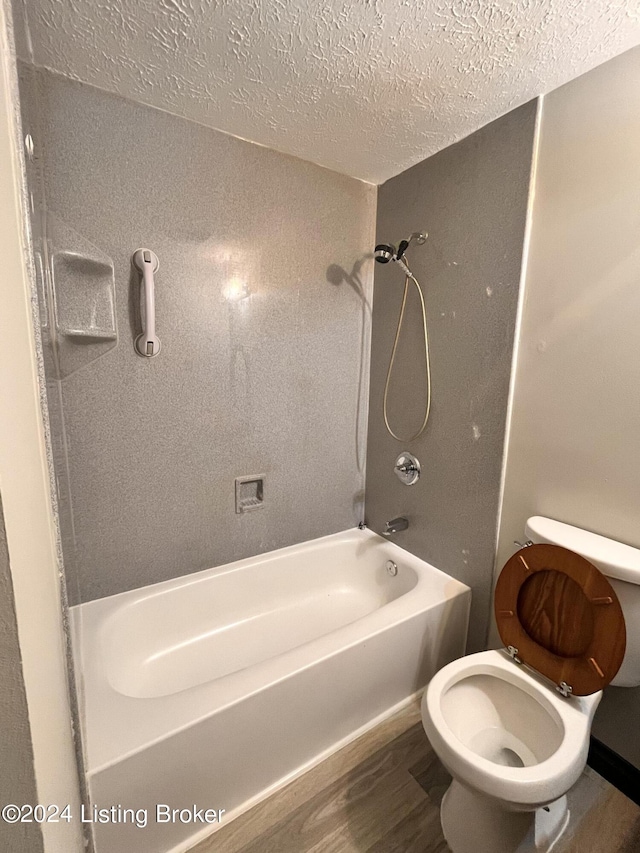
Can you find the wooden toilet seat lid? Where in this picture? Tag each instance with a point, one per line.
(563, 617)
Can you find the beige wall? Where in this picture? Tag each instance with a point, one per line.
(573, 451)
(17, 776)
(30, 596)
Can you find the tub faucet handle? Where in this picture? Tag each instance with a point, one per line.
(395, 525)
(407, 468)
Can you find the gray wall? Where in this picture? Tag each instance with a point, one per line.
(17, 779)
(472, 199)
(573, 449)
(274, 384)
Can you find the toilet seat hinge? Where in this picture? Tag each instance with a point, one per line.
(513, 652)
(564, 689)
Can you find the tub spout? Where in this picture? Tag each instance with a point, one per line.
(395, 526)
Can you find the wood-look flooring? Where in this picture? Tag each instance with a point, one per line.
(611, 823)
(382, 793)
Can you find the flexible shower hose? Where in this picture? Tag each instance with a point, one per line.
(408, 278)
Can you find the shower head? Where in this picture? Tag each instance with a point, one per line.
(384, 253)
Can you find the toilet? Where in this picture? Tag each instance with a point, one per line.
(512, 725)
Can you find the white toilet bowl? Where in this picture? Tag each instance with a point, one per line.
(512, 727)
(513, 748)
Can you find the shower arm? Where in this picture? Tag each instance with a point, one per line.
(419, 236)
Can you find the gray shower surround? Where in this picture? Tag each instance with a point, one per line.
(472, 199)
(147, 450)
(272, 384)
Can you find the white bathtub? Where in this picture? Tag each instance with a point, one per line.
(212, 689)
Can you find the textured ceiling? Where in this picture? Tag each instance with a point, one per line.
(365, 87)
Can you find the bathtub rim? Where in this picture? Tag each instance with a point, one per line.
(121, 615)
(263, 675)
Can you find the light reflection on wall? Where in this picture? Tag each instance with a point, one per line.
(236, 289)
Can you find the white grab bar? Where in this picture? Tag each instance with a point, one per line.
(146, 262)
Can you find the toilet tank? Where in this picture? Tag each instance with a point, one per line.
(620, 563)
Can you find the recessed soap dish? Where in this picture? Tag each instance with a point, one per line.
(249, 493)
